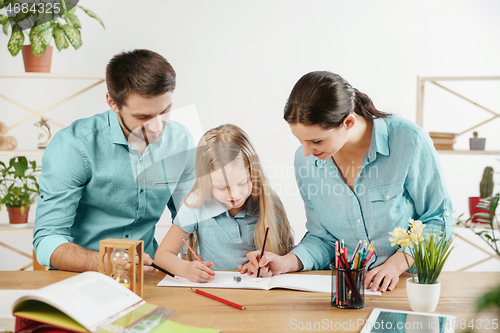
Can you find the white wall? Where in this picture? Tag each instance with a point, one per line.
(237, 62)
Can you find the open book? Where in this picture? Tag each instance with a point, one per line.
(85, 302)
(235, 280)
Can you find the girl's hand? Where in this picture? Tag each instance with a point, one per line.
(197, 272)
(386, 276)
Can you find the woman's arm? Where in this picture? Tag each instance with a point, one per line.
(166, 257)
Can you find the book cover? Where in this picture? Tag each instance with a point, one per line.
(442, 135)
(86, 302)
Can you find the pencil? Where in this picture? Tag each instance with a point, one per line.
(263, 249)
(219, 299)
(192, 251)
(162, 269)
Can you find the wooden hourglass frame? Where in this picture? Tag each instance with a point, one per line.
(135, 272)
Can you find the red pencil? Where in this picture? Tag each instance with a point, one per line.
(190, 249)
(219, 299)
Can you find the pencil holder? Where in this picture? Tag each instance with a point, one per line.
(348, 290)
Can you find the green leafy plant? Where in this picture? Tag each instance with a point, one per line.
(474, 134)
(429, 250)
(62, 29)
(490, 299)
(18, 183)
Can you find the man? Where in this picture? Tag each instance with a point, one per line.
(113, 174)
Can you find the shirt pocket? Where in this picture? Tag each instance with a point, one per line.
(387, 203)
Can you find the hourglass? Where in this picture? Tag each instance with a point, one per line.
(120, 258)
(114, 255)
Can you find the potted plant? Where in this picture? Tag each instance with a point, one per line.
(485, 191)
(490, 299)
(429, 251)
(42, 29)
(18, 187)
(476, 143)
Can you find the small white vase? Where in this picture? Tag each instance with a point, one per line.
(422, 297)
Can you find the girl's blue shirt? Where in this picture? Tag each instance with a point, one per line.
(400, 178)
(223, 239)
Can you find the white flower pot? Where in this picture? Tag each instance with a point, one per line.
(423, 297)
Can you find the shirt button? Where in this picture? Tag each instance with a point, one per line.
(447, 214)
(359, 221)
(141, 190)
(126, 236)
(387, 196)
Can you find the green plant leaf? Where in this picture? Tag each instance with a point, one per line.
(71, 12)
(6, 29)
(22, 16)
(4, 19)
(36, 41)
(60, 38)
(63, 4)
(73, 21)
(2, 4)
(16, 40)
(93, 15)
(73, 35)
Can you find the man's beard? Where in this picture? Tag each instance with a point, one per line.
(144, 136)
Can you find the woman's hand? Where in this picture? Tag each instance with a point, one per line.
(270, 264)
(194, 271)
(386, 276)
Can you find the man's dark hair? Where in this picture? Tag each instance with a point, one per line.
(141, 72)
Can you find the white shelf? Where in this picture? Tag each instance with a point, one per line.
(54, 76)
(469, 152)
(22, 152)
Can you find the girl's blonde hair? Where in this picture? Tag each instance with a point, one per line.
(217, 148)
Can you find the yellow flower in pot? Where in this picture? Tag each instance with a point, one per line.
(429, 250)
(18, 187)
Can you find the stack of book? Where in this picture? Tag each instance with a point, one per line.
(443, 141)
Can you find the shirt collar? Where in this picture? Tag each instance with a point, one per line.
(215, 208)
(116, 130)
(380, 140)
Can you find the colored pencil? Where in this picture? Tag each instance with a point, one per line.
(192, 251)
(263, 249)
(162, 269)
(219, 299)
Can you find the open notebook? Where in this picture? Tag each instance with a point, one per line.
(235, 280)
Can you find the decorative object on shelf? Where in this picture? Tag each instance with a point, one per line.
(443, 141)
(429, 251)
(44, 133)
(18, 187)
(6, 142)
(111, 256)
(490, 299)
(45, 22)
(476, 143)
(485, 191)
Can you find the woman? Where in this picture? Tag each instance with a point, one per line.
(361, 173)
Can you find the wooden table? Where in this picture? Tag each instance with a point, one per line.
(281, 310)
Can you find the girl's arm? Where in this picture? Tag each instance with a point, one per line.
(166, 257)
(271, 264)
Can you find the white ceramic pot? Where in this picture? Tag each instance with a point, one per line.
(422, 297)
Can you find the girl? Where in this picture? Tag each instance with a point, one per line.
(361, 173)
(230, 207)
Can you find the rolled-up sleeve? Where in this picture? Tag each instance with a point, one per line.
(64, 174)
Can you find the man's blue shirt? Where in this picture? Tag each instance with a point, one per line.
(94, 185)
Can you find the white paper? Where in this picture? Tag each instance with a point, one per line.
(224, 279)
(8, 297)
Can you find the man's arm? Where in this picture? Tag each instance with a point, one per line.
(74, 258)
(64, 174)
